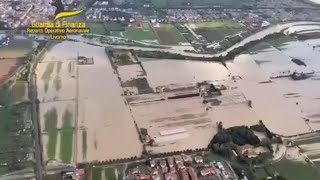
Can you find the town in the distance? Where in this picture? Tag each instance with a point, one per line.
(159, 89)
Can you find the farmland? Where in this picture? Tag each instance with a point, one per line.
(8, 67)
(288, 169)
(97, 28)
(169, 35)
(138, 32)
(85, 123)
(18, 47)
(16, 139)
(165, 34)
(100, 173)
(56, 92)
(216, 30)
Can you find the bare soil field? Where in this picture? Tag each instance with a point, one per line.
(8, 67)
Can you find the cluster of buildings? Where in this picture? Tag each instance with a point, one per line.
(276, 12)
(184, 167)
(105, 11)
(15, 14)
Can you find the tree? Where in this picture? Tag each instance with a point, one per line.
(220, 126)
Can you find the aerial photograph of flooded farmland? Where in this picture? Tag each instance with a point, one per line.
(159, 90)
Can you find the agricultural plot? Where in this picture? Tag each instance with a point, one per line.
(216, 30)
(170, 35)
(19, 91)
(140, 32)
(97, 28)
(56, 86)
(18, 47)
(16, 140)
(99, 173)
(8, 67)
(296, 170)
(57, 127)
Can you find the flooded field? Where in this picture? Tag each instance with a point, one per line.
(283, 97)
(165, 72)
(92, 97)
(56, 87)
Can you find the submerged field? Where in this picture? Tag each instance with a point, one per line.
(86, 121)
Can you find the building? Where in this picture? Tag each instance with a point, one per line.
(207, 171)
(162, 163)
(247, 150)
(142, 177)
(135, 170)
(170, 162)
(152, 163)
(186, 158)
(192, 173)
(170, 176)
(180, 165)
(198, 159)
(177, 159)
(154, 171)
(184, 174)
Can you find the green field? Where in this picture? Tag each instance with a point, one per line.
(5, 125)
(50, 126)
(67, 119)
(142, 32)
(279, 42)
(169, 35)
(296, 170)
(46, 76)
(110, 174)
(18, 91)
(216, 30)
(97, 173)
(97, 28)
(17, 48)
(84, 144)
(66, 143)
(291, 170)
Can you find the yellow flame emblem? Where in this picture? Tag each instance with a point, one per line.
(67, 14)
